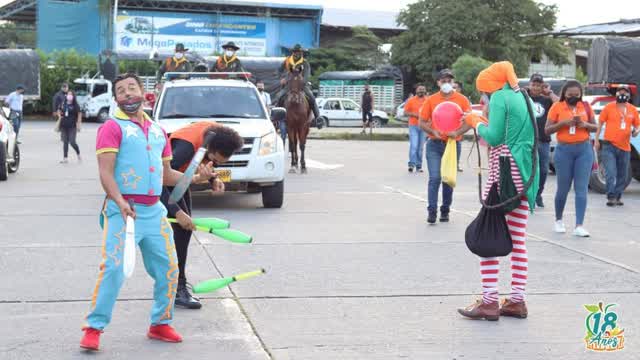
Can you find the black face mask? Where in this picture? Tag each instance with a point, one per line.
(621, 99)
(573, 101)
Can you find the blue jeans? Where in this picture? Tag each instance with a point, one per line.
(573, 165)
(616, 168)
(417, 139)
(543, 157)
(16, 121)
(435, 150)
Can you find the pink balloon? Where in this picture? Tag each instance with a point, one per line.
(447, 116)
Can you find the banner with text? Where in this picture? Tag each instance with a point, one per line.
(145, 31)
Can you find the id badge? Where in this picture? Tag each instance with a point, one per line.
(66, 113)
(623, 125)
(572, 130)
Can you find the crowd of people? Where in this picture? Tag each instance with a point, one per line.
(566, 115)
(139, 165)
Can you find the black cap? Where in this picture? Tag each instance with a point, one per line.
(445, 73)
(180, 47)
(536, 78)
(231, 45)
(20, 87)
(297, 47)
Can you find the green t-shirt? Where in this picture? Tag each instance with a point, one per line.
(510, 124)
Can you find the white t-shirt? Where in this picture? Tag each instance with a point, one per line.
(15, 100)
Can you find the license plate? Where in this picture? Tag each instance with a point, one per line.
(224, 175)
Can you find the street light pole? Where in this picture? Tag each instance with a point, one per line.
(115, 25)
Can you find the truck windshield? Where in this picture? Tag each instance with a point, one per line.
(211, 102)
(81, 89)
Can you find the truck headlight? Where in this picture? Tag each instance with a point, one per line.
(268, 144)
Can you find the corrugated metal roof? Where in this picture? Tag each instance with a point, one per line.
(624, 27)
(361, 17)
(259, 3)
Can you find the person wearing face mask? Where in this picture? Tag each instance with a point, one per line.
(69, 121)
(228, 61)
(221, 142)
(437, 143)
(296, 62)
(622, 122)
(543, 98)
(134, 157)
(572, 120)
(417, 137)
(176, 63)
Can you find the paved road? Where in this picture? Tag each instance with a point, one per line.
(354, 272)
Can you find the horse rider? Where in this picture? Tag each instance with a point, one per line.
(228, 61)
(176, 63)
(296, 63)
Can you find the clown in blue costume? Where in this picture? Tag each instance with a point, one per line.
(133, 158)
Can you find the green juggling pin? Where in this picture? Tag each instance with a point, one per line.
(217, 230)
(216, 284)
(209, 223)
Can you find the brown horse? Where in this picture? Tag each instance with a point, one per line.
(298, 120)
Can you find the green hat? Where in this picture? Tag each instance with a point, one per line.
(297, 47)
(180, 47)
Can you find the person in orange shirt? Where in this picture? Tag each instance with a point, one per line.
(416, 135)
(572, 120)
(620, 117)
(437, 143)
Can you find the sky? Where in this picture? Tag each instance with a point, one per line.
(571, 12)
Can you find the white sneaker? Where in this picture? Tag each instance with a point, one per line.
(581, 232)
(559, 227)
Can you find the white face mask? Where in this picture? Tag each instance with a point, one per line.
(229, 53)
(179, 55)
(446, 88)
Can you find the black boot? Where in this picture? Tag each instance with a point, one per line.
(444, 215)
(184, 298)
(433, 215)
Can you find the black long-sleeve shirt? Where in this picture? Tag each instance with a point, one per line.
(182, 153)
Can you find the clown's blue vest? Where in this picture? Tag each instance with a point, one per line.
(138, 169)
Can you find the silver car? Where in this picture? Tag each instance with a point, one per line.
(9, 151)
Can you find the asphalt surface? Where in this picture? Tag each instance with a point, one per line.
(353, 270)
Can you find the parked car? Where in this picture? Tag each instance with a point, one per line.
(231, 101)
(346, 112)
(9, 149)
(400, 113)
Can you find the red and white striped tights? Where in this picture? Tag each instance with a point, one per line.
(517, 223)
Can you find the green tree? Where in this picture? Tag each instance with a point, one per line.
(360, 52)
(466, 69)
(440, 31)
(17, 36)
(58, 67)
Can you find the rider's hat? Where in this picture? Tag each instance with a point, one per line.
(231, 45)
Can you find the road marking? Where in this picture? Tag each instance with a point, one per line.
(313, 164)
(539, 237)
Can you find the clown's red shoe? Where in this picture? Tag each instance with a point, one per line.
(91, 339)
(164, 332)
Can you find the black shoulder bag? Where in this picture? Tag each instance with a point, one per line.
(488, 234)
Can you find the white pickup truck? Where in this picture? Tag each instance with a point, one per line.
(229, 99)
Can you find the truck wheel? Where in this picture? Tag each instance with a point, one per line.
(4, 169)
(16, 157)
(103, 115)
(598, 180)
(273, 196)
